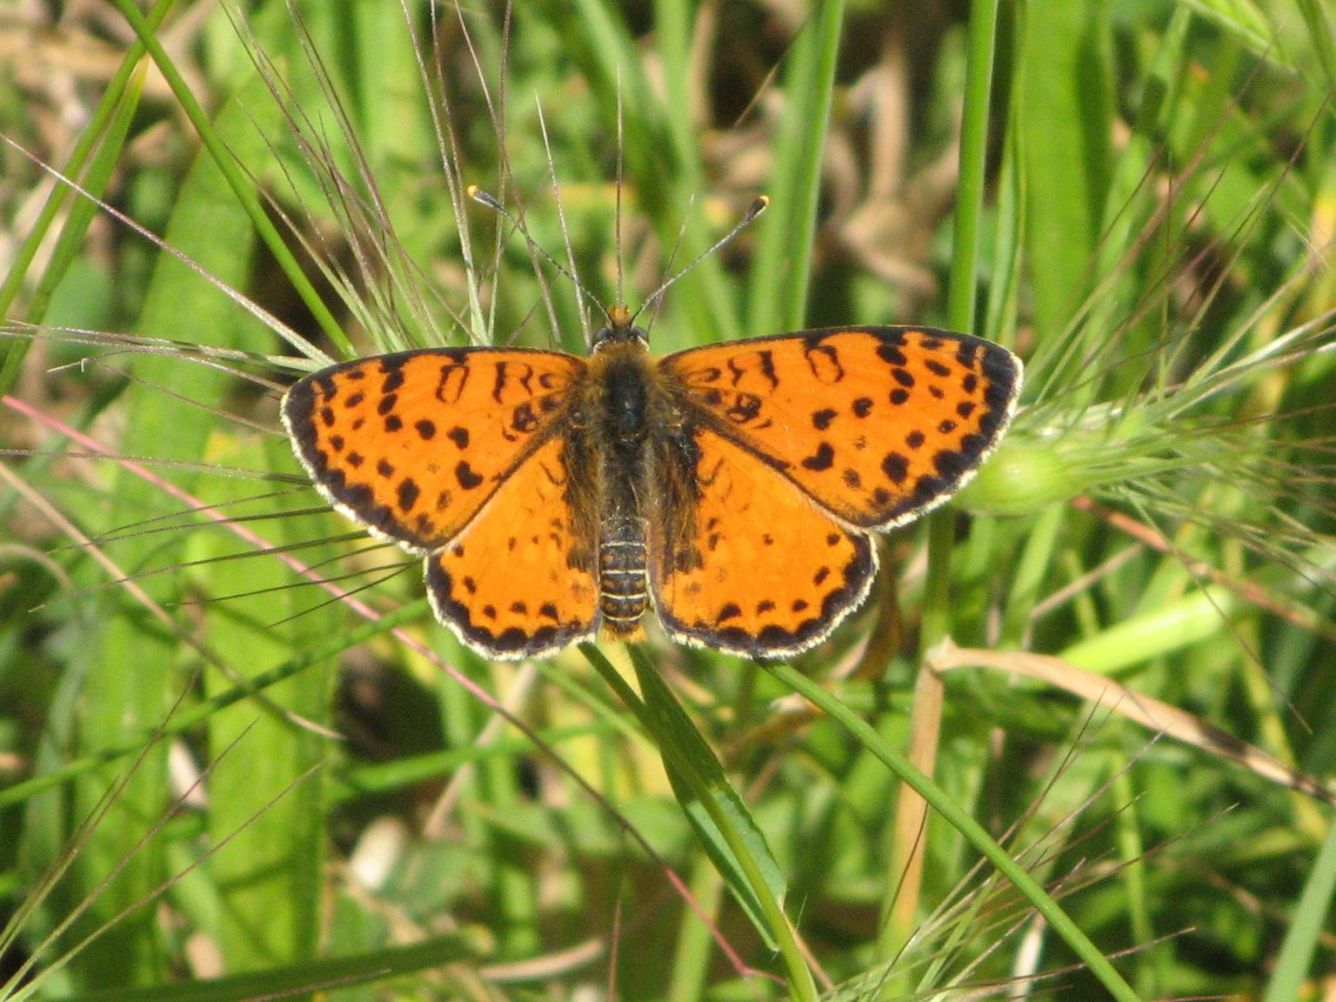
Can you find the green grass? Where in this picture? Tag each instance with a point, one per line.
(211, 768)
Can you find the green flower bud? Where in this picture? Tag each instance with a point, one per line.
(1020, 478)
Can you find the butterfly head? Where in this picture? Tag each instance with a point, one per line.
(621, 329)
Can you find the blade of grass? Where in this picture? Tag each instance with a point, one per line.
(298, 980)
(510, 882)
(905, 871)
(269, 877)
(781, 269)
(189, 717)
(1065, 116)
(941, 802)
(962, 292)
(241, 186)
(661, 157)
(130, 677)
(101, 138)
(709, 304)
(1320, 30)
(1295, 960)
(727, 830)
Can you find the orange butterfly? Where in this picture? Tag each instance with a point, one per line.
(732, 487)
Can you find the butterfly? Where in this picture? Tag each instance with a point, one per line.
(732, 487)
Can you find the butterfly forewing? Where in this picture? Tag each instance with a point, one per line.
(413, 444)
(876, 424)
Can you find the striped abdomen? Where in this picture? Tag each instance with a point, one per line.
(622, 578)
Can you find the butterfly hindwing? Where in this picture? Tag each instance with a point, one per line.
(414, 443)
(519, 580)
(876, 424)
(755, 568)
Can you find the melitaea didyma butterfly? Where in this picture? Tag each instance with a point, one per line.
(732, 487)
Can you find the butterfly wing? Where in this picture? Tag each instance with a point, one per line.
(741, 560)
(461, 453)
(876, 424)
(414, 444)
(519, 581)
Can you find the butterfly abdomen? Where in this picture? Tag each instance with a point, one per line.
(623, 583)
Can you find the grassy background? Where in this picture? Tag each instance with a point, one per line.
(212, 769)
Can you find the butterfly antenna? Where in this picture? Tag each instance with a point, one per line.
(617, 218)
(670, 263)
(486, 198)
(565, 232)
(755, 209)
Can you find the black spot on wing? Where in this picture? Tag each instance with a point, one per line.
(393, 368)
(466, 476)
(822, 459)
(896, 467)
(523, 419)
(407, 494)
(891, 354)
(745, 408)
(951, 464)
